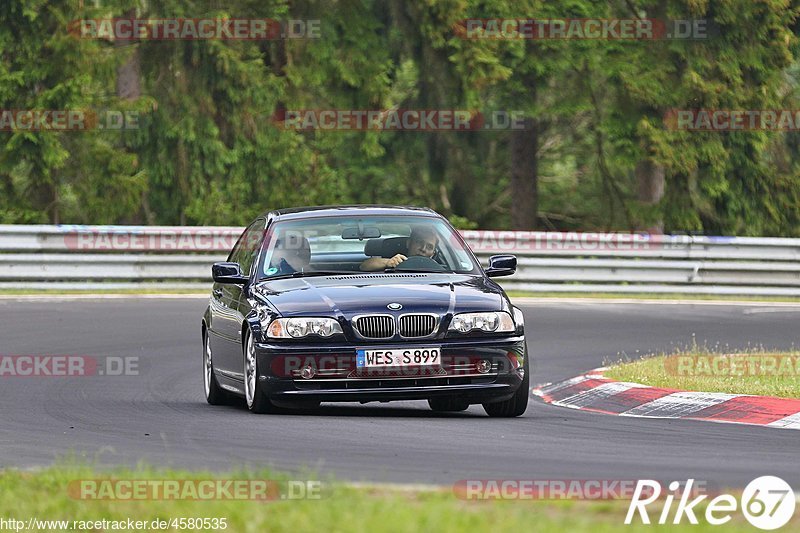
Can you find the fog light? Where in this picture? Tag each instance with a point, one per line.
(307, 372)
(484, 366)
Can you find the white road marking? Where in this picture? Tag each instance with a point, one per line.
(588, 397)
(770, 310)
(555, 387)
(532, 301)
(679, 404)
(790, 422)
(69, 297)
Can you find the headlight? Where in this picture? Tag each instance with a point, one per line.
(295, 328)
(493, 322)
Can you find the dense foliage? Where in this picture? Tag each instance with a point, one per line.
(595, 152)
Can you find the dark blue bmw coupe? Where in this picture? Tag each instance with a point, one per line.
(362, 304)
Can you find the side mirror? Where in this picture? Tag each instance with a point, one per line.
(228, 273)
(501, 265)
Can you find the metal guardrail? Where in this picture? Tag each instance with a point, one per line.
(73, 257)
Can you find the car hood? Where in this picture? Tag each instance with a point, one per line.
(356, 294)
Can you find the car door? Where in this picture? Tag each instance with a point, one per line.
(227, 319)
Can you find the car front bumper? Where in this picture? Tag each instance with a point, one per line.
(337, 379)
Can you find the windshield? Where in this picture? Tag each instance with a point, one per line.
(335, 245)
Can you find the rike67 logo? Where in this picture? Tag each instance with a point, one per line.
(767, 502)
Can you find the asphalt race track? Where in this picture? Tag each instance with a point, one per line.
(160, 416)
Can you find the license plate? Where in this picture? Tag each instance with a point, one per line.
(399, 357)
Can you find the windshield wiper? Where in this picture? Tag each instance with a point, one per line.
(394, 270)
(309, 274)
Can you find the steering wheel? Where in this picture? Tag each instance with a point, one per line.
(418, 262)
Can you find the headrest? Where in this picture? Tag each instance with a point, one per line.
(296, 243)
(386, 247)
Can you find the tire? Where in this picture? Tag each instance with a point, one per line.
(214, 393)
(254, 394)
(448, 405)
(517, 404)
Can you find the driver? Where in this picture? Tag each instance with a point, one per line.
(422, 242)
(290, 255)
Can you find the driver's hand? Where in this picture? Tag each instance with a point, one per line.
(396, 260)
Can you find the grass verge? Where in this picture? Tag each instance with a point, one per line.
(758, 372)
(46, 495)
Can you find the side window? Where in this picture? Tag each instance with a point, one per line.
(248, 245)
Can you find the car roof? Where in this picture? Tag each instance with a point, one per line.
(343, 210)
